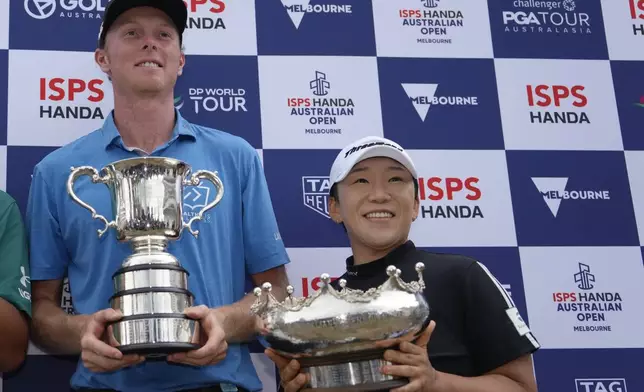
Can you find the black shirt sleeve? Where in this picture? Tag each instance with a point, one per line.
(495, 331)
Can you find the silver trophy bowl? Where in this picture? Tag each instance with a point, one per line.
(340, 336)
(150, 286)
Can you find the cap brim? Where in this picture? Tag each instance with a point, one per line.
(381, 151)
(175, 9)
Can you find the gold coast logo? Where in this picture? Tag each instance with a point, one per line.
(323, 110)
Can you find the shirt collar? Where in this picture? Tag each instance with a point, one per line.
(111, 134)
(379, 266)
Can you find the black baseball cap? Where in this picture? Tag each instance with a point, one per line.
(175, 9)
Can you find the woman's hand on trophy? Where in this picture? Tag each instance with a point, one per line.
(411, 361)
(292, 380)
(210, 336)
(97, 355)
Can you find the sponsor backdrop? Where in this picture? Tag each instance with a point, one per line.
(523, 116)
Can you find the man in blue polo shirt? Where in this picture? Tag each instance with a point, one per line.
(140, 51)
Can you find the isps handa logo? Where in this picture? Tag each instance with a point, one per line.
(589, 306)
(71, 98)
(434, 26)
(636, 10)
(315, 194)
(557, 104)
(450, 198)
(204, 14)
(322, 108)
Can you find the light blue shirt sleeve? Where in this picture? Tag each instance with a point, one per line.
(48, 255)
(263, 243)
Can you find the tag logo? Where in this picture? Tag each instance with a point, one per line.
(315, 194)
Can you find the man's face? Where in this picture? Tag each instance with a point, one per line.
(142, 51)
(376, 203)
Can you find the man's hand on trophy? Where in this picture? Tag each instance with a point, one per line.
(292, 379)
(96, 354)
(210, 336)
(411, 361)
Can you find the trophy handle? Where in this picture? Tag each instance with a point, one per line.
(96, 178)
(194, 180)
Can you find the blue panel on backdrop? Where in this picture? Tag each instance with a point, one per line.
(298, 181)
(222, 92)
(440, 103)
(20, 166)
(41, 373)
(566, 29)
(571, 198)
(61, 24)
(504, 264)
(590, 370)
(4, 64)
(315, 27)
(628, 79)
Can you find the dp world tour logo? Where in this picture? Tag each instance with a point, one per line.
(584, 278)
(320, 86)
(315, 194)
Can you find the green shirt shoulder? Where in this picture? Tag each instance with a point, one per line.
(15, 286)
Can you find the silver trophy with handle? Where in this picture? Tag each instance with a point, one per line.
(340, 336)
(151, 286)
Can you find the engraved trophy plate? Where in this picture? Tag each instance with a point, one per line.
(338, 336)
(151, 286)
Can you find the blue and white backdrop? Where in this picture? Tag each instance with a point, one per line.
(523, 116)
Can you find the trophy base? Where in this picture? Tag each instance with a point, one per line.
(352, 374)
(155, 335)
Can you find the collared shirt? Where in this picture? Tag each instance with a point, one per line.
(478, 327)
(237, 238)
(15, 286)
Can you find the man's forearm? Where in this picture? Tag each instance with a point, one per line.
(237, 320)
(486, 383)
(14, 336)
(56, 331)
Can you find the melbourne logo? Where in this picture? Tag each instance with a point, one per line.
(204, 14)
(423, 96)
(589, 305)
(217, 99)
(63, 98)
(600, 385)
(322, 108)
(296, 9)
(637, 14)
(546, 102)
(434, 26)
(449, 198)
(546, 17)
(70, 9)
(553, 190)
(315, 194)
